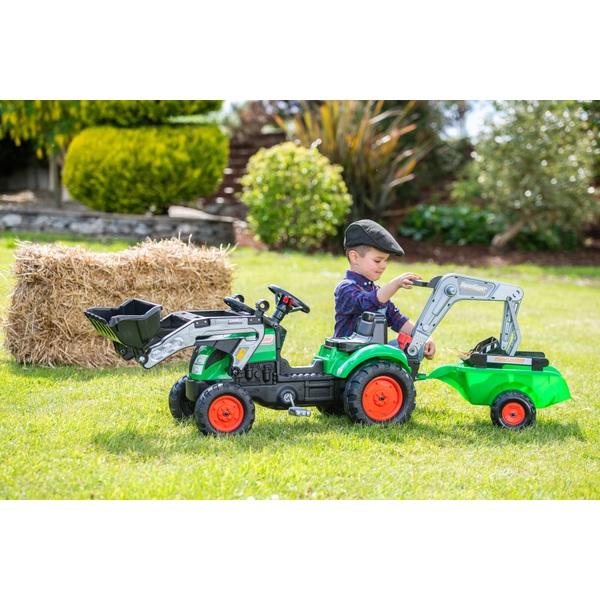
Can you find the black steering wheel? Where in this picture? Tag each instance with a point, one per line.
(237, 304)
(282, 297)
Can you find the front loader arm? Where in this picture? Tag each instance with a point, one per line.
(239, 336)
(450, 289)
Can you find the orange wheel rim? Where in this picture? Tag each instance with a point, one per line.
(226, 414)
(513, 413)
(382, 398)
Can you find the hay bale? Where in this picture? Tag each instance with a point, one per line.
(55, 283)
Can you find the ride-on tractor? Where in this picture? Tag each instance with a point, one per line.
(237, 361)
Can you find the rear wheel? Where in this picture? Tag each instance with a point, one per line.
(380, 392)
(224, 409)
(512, 410)
(179, 405)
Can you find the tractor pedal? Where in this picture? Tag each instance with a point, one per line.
(298, 411)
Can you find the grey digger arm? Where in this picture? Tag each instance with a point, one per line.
(450, 289)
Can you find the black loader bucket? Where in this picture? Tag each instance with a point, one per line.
(133, 324)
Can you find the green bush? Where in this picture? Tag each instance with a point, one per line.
(129, 113)
(473, 225)
(295, 196)
(449, 225)
(145, 169)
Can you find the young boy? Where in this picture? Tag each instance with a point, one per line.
(368, 247)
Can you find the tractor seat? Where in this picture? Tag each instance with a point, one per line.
(371, 328)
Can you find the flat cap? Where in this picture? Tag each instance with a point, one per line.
(368, 233)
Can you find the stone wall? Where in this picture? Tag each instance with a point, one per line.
(203, 228)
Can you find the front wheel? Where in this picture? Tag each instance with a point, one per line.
(380, 392)
(224, 409)
(512, 410)
(179, 405)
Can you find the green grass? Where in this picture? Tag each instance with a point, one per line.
(74, 433)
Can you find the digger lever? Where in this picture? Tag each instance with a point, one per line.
(427, 284)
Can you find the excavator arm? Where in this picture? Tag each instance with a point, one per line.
(449, 289)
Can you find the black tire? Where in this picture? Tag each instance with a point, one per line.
(332, 410)
(379, 392)
(224, 409)
(179, 405)
(512, 410)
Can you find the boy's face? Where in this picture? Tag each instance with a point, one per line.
(371, 265)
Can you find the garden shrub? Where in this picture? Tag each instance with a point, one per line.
(296, 198)
(449, 225)
(146, 169)
(129, 113)
(474, 225)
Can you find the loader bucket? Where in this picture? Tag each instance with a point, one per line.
(133, 324)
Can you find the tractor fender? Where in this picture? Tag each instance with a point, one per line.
(343, 368)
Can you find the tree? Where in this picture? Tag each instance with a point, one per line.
(49, 124)
(535, 166)
(446, 156)
(592, 109)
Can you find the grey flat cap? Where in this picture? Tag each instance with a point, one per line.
(368, 233)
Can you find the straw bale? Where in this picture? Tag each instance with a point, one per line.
(55, 283)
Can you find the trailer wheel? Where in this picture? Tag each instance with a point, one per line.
(179, 405)
(380, 392)
(512, 410)
(224, 409)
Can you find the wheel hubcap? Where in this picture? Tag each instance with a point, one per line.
(382, 398)
(226, 413)
(513, 413)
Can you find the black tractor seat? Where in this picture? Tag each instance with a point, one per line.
(371, 328)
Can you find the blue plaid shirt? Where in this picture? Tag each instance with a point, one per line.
(353, 296)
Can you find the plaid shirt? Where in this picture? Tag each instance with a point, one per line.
(353, 296)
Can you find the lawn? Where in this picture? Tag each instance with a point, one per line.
(75, 433)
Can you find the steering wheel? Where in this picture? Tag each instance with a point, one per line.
(289, 300)
(237, 304)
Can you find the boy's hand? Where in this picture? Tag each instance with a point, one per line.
(406, 280)
(429, 349)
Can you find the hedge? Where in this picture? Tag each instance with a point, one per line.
(130, 113)
(146, 169)
(466, 225)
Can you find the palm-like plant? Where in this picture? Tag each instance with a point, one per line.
(369, 142)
